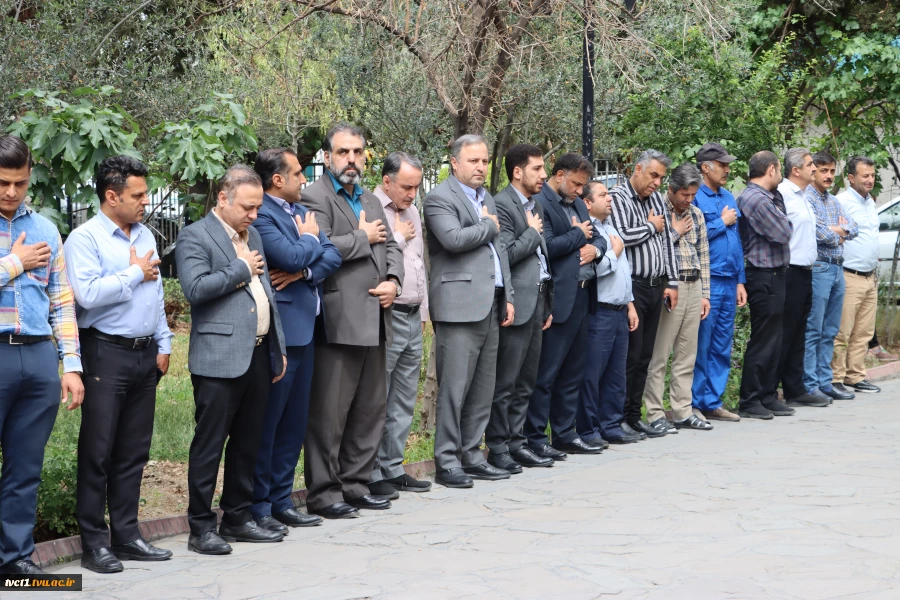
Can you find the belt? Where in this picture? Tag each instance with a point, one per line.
(689, 276)
(259, 340)
(543, 286)
(767, 269)
(804, 267)
(651, 281)
(615, 307)
(18, 340)
(131, 343)
(860, 273)
(498, 293)
(406, 308)
(585, 284)
(832, 261)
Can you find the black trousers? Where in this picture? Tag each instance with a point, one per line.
(232, 409)
(648, 302)
(798, 288)
(765, 293)
(114, 441)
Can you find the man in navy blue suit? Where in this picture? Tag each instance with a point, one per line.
(573, 251)
(300, 257)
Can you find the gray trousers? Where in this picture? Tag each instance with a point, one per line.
(404, 361)
(466, 364)
(517, 369)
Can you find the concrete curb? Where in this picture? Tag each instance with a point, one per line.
(67, 549)
(885, 371)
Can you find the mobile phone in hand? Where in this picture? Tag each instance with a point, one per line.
(668, 303)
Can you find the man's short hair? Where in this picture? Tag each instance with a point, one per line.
(823, 158)
(342, 127)
(760, 163)
(236, 176)
(855, 161)
(470, 139)
(14, 153)
(395, 160)
(518, 156)
(271, 162)
(649, 155)
(589, 188)
(572, 162)
(793, 158)
(684, 176)
(113, 173)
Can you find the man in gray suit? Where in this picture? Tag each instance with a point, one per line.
(469, 302)
(237, 348)
(349, 389)
(521, 228)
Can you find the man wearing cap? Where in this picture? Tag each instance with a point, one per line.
(726, 283)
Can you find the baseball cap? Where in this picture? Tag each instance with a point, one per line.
(714, 151)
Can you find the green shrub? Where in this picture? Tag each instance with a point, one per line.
(175, 302)
(56, 494)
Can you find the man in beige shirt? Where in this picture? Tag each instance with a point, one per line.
(400, 181)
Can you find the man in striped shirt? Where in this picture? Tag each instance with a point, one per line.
(765, 234)
(637, 214)
(37, 308)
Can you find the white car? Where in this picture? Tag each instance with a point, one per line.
(889, 228)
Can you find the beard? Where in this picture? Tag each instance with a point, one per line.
(346, 176)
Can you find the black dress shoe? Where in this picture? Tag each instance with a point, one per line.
(778, 408)
(812, 400)
(578, 446)
(504, 461)
(384, 489)
(140, 549)
(369, 502)
(629, 430)
(248, 532)
(620, 437)
(101, 560)
(23, 566)
(756, 412)
(597, 441)
(864, 386)
(649, 429)
(338, 510)
(208, 543)
(694, 422)
(836, 393)
(453, 478)
(294, 518)
(548, 451)
(407, 483)
(487, 472)
(272, 524)
(526, 457)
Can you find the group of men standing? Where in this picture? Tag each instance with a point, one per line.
(556, 302)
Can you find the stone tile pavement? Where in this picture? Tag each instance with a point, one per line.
(799, 507)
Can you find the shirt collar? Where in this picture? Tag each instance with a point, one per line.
(339, 188)
(858, 197)
(672, 210)
(282, 203)
(793, 187)
(229, 230)
(708, 190)
(473, 194)
(384, 198)
(522, 197)
(23, 209)
(111, 228)
(766, 192)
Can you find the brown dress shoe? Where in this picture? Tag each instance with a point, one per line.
(720, 414)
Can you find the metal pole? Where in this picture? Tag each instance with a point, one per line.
(587, 87)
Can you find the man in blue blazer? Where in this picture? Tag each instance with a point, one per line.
(573, 251)
(300, 258)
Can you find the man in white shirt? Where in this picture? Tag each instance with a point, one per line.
(799, 169)
(861, 288)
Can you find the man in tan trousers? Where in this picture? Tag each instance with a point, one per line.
(678, 327)
(848, 364)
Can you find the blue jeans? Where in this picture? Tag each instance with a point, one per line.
(823, 325)
(714, 344)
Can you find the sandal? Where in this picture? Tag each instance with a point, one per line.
(694, 422)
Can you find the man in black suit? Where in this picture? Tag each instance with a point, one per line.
(572, 248)
(521, 227)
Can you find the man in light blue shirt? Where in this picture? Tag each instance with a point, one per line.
(111, 263)
(602, 395)
(848, 364)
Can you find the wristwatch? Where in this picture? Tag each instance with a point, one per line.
(397, 283)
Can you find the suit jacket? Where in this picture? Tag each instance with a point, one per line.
(522, 243)
(563, 241)
(351, 315)
(462, 264)
(289, 251)
(223, 312)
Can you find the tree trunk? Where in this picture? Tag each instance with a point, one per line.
(429, 396)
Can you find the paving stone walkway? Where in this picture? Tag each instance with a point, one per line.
(802, 507)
